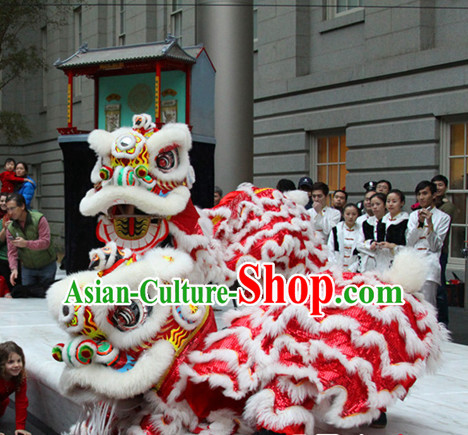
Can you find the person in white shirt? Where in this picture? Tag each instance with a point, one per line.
(323, 217)
(427, 228)
(344, 239)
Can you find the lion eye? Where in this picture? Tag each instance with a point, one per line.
(125, 318)
(126, 142)
(166, 161)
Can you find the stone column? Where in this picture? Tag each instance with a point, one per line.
(226, 30)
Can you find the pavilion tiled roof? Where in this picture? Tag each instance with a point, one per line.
(168, 49)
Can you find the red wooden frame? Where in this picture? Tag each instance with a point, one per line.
(124, 68)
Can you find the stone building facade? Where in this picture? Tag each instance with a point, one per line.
(343, 92)
(348, 94)
(42, 98)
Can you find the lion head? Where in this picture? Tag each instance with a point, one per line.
(142, 177)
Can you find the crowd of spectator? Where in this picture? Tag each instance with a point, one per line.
(366, 236)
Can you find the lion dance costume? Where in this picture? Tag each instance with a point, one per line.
(165, 369)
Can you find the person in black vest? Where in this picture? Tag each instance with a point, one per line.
(28, 240)
(374, 233)
(396, 223)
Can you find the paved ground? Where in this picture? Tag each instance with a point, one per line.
(458, 325)
(7, 424)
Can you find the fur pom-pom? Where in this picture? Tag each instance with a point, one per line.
(409, 269)
(298, 196)
(100, 142)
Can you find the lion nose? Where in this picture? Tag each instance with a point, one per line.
(65, 310)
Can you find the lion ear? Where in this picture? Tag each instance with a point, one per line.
(100, 141)
(172, 133)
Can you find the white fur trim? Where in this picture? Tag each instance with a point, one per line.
(409, 269)
(100, 201)
(298, 196)
(104, 382)
(100, 141)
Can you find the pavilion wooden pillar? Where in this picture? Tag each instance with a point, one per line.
(96, 102)
(70, 99)
(157, 95)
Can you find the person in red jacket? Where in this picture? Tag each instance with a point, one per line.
(13, 380)
(8, 177)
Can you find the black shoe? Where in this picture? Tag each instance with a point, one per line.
(29, 291)
(380, 422)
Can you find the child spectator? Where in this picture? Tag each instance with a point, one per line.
(13, 379)
(344, 239)
(9, 178)
(26, 189)
(427, 228)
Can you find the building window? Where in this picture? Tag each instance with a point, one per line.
(255, 20)
(78, 42)
(77, 27)
(335, 8)
(331, 161)
(122, 23)
(454, 166)
(36, 174)
(176, 20)
(45, 86)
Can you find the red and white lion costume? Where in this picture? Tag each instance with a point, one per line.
(163, 369)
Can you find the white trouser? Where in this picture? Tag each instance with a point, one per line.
(429, 290)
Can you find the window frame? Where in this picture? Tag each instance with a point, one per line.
(255, 21)
(445, 137)
(35, 170)
(314, 157)
(45, 81)
(176, 20)
(331, 9)
(78, 42)
(121, 22)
